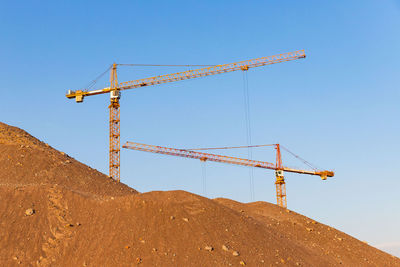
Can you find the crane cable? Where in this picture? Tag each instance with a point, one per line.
(164, 65)
(301, 159)
(309, 164)
(93, 82)
(246, 96)
(226, 147)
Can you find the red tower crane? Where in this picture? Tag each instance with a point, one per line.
(278, 167)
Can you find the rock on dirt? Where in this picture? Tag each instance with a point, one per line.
(29, 212)
(208, 248)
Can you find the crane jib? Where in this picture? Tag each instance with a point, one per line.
(219, 158)
(202, 72)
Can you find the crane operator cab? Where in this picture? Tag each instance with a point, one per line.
(115, 94)
(279, 176)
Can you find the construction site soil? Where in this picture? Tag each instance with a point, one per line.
(56, 211)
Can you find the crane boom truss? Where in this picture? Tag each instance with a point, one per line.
(217, 69)
(279, 169)
(184, 75)
(219, 158)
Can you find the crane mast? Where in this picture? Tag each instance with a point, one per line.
(280, 180)
(115, 147)
(279, 169)
(115, 88)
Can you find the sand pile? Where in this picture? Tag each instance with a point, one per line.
(55, 213)
(24, 160)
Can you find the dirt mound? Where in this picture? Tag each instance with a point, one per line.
(25, 160)
(324, 241)
(53, 219)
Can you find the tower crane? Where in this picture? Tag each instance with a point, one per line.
(115, 89)
(278, 167)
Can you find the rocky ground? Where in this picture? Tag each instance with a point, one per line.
(56, 211)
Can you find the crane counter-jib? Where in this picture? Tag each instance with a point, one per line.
(75, 94)
(219, 158)
(322, 174)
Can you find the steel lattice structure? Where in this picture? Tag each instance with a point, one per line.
(115, 88)
(279, 169)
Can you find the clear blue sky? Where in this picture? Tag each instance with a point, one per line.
(339, 108)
